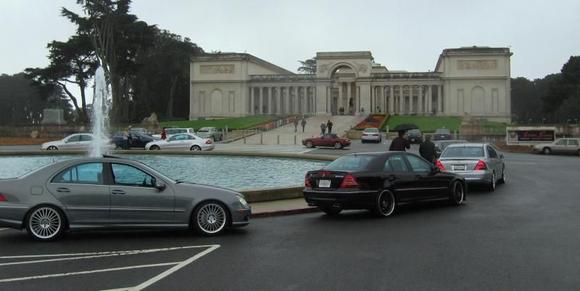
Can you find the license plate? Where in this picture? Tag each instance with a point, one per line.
(459, 168)
(324, 184)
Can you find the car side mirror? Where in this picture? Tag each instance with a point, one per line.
(159, 185)
(501, 156)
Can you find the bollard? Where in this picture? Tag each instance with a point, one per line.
(261, 138)
(244, 139)
(278, 139)
(294, 139)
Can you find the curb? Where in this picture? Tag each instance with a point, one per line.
(285, 212)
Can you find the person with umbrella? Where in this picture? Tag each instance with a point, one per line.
(400, 143)
(427, 149)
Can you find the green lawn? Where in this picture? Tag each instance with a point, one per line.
(232, 123)
(493, 127)
(426, 123)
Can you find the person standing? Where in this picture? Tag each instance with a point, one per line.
(163, 134)
(295, 124)
(322, 128)
(329, 126)
(303, 123)
(427, 149)
(400, 143)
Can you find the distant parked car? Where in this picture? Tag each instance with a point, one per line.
(371, 134)
(74, 142)
(182, 141)
(133, 140)
(327, 140)
(175, 130)
(380, 182)
(415, 136)
(440, 145)
(111, 193)
(476, 162)
(442, 134)
(560, 146)
(140, 130)
(210, 132)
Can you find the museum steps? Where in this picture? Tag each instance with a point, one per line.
(285, 135)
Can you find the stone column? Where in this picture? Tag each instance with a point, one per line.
(348, 96)
(391, 100)
(421, 100)
(411, 109)
(401, 100)
(440, 100)
(430, 99)
(278, 101)
(271, 101)
(304, 99)
(252, 101)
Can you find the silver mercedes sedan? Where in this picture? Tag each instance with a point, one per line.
(476, 162)
(113, 192)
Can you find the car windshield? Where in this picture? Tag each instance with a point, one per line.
(463, 152)
(203, 130)
(442, 131)
(414, 132)
(351, 163)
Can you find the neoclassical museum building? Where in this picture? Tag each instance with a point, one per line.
(467, 81)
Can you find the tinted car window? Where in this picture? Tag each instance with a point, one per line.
(350, 163)
(86, 138)
(573, 142)
(178, 137)
(395, 164)
(561, 142)
(463, 152)
(74, 138)
(130, 176)
(492, 153)
(418, 164)
(89, 173)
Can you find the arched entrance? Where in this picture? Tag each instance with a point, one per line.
(343, 91)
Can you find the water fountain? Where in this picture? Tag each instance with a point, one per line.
(100, 115)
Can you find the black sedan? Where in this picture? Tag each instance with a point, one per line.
(132, 140)
(379, 182)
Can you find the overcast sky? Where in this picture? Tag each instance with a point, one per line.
(403, 35)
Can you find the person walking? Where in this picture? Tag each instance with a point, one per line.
(322, 128)
(163, 134)
(400, 143)
(329, 126)
(303, 123)
(295, 124)
(427, 149)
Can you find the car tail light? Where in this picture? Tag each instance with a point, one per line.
(2, 198)
(307, 183)
(439, 165)
(481, 165)
(208, 141)
(349, 181)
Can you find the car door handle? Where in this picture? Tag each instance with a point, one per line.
(118, 192)
(62, 190)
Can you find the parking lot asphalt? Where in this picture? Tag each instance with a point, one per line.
(523, 236)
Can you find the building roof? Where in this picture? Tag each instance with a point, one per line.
(472, 50)
(220, 57)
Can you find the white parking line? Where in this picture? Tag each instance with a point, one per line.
(78, 256)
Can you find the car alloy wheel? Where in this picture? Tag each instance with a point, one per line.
(492, 184)
(52, 148)
(337, 145)
(457, 193)
(210, 218)
(547, 151)
(330, 210)
(386, 204)
(504, 176)
(154, 148)
(45, 223)
(195, 148)
(309, 144)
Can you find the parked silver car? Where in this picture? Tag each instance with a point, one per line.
(112, 192)
(182, 141)
(477, 162)
(559, 146)
(371, 134)
(75, 142)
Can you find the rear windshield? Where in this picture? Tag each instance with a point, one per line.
(414, 131)
(442, 131)
(351, 163)
(372, 130)
(463, 152)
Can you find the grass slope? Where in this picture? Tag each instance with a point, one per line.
(426, 123)
(232, 123)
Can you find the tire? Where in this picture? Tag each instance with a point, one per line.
(195, 148)
(154, 148)
(362, 141)
(492, 184)
(457, 193)
(309, 144)
(386, 204)
(504, 177)
(52, 148)
(547, 151)
(578, 153)
(337, 145)
(210, 218)
(45, 223)
(330, 211)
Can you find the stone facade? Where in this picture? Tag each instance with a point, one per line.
(470, 81)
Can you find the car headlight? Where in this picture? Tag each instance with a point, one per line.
(243, 201)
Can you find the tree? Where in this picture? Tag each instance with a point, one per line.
(71, 62)
(565, 87)
(307, 66)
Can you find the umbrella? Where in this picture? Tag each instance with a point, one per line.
(405, 127)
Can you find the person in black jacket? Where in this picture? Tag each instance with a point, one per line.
(400, 143)
(427, 149)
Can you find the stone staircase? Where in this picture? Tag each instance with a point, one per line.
(285, 135)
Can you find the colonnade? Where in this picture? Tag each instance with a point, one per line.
(407, 99)
(281, 100)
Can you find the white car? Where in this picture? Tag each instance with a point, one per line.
(174, 130)
(182, 141)
(371, 134)
(559, 146)
(75, 142)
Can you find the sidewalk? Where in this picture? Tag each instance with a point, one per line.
(281, 207)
